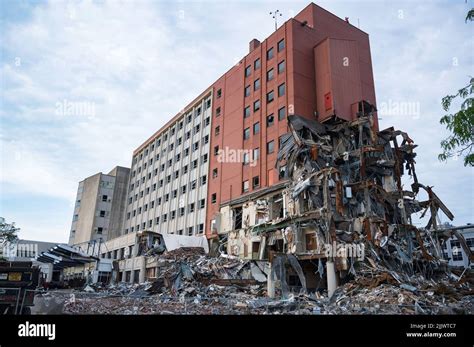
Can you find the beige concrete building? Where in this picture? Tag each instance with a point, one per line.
(100, 205)
(170, 173)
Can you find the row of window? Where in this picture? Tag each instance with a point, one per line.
(179, 125)
(256, 126)
(118, 254)
(270, 98)
(270, 55)
(191, 208)
(163, 219)
(256, 83)
(184, 153)
(162, 182)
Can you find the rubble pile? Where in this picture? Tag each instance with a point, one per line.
(186, 268)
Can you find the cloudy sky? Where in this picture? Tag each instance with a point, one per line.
(128, 66)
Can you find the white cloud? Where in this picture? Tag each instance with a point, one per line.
(140, 62)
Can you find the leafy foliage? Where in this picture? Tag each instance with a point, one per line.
(461, 123)
(8, 232)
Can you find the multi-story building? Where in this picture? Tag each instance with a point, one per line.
(224, 144)
(169, 175)
(100, 205)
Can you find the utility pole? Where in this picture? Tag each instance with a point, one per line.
(275, 15)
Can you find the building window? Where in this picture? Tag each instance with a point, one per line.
(247, 91)
(245, 186)
(216, 150)
(219, 93)
(202, 203)
(255, 182)
(270, 54)
(214, 173)
(470, 242)
(191, 207)
(246, 159)
(270, 120)
(104, 198)
(218, 110)
(281, 45)
(270, 96)
(217, 130)
(281, 67)
(256, 64)
(281, 113)
(456, 250)
(256, 154)
(99, 230)
(165, 217)
(247, 71)
(173, 214)
(270, 147)
(181, 211)
(200, 228)
(102, 214)
(214, 198)
(246, 133)
(190, 231)
(256, 128)
(193, 184)
(270, 75)
(247, 112)
(256, 84)
(256, 105)
(281, 89)
(203, 180)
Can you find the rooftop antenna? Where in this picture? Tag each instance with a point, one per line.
(275, 15)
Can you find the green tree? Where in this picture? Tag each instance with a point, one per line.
(461, 123)
(8, 233)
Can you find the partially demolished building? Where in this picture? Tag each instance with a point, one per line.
(343, 208)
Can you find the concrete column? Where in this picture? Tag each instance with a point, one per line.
(271, 283)
(142, 277)
(331, 277)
